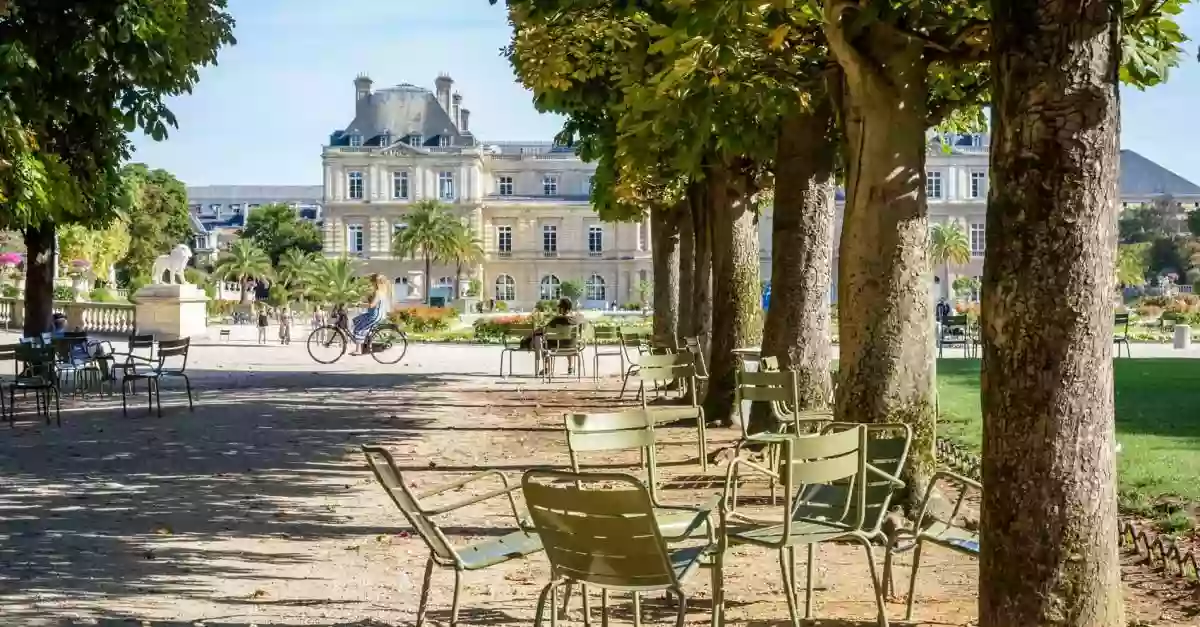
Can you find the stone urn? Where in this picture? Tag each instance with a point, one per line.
(415, 282)
(82, 286)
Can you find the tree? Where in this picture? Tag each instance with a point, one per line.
(101, 248)
(948, 244)
(572, 289)
(466, 250)
(1193, 222)
(429, 233)
(1047, 395)
(643, 289)
(276, 228)
(336, 281)
(243, 262)
(158, 218)
(1132, 264)
(78, 78)
(296, 271)
(1149, 221)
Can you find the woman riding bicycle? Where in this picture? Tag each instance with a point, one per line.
(376, 303)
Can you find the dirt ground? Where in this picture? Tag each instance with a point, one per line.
(257, 509)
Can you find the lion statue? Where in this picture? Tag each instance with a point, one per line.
(173, 262)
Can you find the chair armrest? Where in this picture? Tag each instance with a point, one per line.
(504, 490)
(938, 477)
(704, 517)
(731, 477)
(895, 481)
(954, 477)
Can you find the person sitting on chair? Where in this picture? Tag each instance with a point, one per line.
(566, 318)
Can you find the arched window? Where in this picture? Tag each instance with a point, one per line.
(594, 288)
(551, 288)
(506, 288)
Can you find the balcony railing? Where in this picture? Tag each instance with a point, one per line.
(504, 254)
(550, 254)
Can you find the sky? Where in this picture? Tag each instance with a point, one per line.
(262, 114)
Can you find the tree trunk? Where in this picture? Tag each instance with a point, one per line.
(885, 325)
(244, 292)
(797, 325)
(737, 308)
(458, 281)
(664, 229)
(428, 280)
(702, 288)
(687, 269)
(1049, 520)
(39, 279)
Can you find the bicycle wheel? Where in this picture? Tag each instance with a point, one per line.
(387, 344)
(326, 344)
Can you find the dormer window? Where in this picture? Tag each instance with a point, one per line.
(443, 141)
(416, 140)
(385, 139)
(356, 140)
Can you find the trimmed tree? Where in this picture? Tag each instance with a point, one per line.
(243, 262)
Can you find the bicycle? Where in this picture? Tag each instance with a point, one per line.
(331, 341)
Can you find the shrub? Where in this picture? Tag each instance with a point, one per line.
(501, 306)
(422, 319)
(492, 329)
(10, 291)
(64, 292)
(546, 305)
(102, 295)
(631, 307)
(194, 276)
(1149, 311)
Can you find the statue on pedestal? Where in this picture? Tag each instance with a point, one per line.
(174, 262)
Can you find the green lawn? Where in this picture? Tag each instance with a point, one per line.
(1158, 423)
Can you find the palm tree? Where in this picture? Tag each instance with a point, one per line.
(336, 281)
(295, 271)
(948, 245)
(243, 262)
(429, 233)
(466, 250)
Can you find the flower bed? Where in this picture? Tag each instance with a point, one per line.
(422, 319)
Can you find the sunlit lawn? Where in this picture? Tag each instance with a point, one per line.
(1158, 423)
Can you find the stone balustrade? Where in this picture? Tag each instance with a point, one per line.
(99, 318)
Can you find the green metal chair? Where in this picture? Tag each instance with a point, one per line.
(781, 389)
(1121, 333)
(601, 530)
(956, 331)
(563, 342)
(634, 344)
(656, 369)
(511, 340)
(631, 430)
(606, 342)
(37, 374)
(170, 363)
(945, 533)
(827, 480)
(442, 554)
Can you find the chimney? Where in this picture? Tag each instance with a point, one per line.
(443, 84)
(465, 114)
(455, 108)
(362, 87)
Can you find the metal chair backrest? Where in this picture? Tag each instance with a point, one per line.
(65, 346)
(692, 345)
(780, 388)
(955, 325)
(8, 352)
(392, 480)
(597, 535)
(37, 361)
(516, 332)
(827, 460)
(605, 334)
(632, 342)
(561, 333)
(170, 350)
(1121, 320)
(887, 447)
(142, 342)
(631, 430)
(769, 364)
(665, 342)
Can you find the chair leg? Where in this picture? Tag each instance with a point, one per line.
(187, 383)
(637, 610)
(889, 578)
(718, 589)
(701, 427)
(124, 405)
(425, 592)
(541, 604)
(604, 608)
(877, 587)
(809, 567)
(554, 605)
(57, 406)
(789, 585)
(150, 396)
(454, 601)
(912, 582)
(12, 407)
(682, 608)
(158, 396)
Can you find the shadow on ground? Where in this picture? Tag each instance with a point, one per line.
(93, 508)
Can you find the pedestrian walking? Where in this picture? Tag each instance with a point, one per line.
(263, 323)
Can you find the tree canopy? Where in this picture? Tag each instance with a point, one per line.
(277, 228)
(158, 217)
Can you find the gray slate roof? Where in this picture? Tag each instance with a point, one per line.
(1143, 177)
(401, 111)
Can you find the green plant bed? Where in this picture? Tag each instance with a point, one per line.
(1158, 427)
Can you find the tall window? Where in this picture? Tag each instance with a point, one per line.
(354, 238)
(506, 288)
(978, 184)
(595, 240)
(551, 288)
(356, 140)
(446, 185)
(933, 184)
(504, 240)
(506, 185)
(549, 240)
(400, 185)
(978, 240)
(397, 229)
(594, 288)
(355, 180)
(549, 185)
